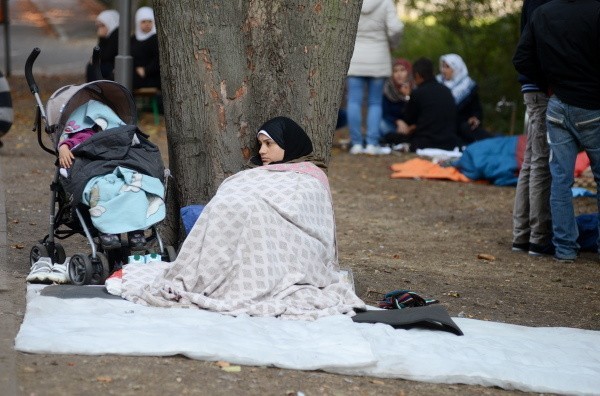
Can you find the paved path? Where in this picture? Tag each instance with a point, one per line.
(63, 29)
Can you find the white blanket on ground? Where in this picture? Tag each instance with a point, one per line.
(555, 360)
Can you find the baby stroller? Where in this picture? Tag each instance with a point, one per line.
(68, 215)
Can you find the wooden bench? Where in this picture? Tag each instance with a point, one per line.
(149, 95)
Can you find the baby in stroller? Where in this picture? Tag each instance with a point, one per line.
(108, 181)
(142, 190)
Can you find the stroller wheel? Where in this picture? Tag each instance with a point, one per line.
(169, 255)
(81, 269)
(41, 250)
(38, 250)
(101, 269)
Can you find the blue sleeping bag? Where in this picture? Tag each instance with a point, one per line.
(493, 159)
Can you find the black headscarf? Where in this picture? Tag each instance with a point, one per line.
(289, 136)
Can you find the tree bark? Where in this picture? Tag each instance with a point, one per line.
(228, 66)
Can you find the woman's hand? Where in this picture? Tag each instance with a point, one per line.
(140, 71)
(65, 157)
(474, 122)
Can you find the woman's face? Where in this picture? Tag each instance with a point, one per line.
(146, 25)
(101, 30)
(447, 71)
(269, 150)
(400, 75)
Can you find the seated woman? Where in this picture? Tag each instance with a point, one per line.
(396, 93)
(144, 50)
(264, 245)
(455, 75)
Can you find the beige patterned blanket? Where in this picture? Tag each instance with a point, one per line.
(263, 246)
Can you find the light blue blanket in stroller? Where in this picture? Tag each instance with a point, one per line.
(124, 200)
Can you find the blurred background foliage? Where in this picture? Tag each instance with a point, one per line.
(485, 34)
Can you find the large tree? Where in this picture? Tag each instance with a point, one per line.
(228, 66)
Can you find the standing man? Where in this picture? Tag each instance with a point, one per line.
(532, 223)
(560, 51)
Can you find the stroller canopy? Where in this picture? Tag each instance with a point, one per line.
(66, 99)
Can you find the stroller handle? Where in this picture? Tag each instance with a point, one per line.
(29, 70)
(97, 72)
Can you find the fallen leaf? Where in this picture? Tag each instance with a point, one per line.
(232, 369)
(15, 221)
(453, 294)
(28, 369)
(377, 382)
(484, 256)
(71, 364)
(18, 246)
(104, 378)
(222, 364)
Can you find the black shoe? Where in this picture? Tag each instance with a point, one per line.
(110, 241)
(137, 240)
(520, 247)
(541, 250)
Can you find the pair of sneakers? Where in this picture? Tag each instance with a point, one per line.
(43, 271)
(534, 249)
(371, 149)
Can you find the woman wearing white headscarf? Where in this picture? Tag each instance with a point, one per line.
(455, 75)
(144, 50)
(107, 29)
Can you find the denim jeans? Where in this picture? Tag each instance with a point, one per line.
(531, 213)
(356, 87)
(569, 129)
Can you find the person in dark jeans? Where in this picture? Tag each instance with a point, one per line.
(559, 50)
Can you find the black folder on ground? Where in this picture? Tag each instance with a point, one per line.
(72, 291)
(433, 317)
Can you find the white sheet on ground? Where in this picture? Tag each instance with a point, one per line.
(558, 360)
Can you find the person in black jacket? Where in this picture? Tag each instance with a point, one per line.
(430, 115)
(107, 25)
(144, 50)
(532, 223)
(559, 50)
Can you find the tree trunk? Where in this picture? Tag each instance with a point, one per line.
(228, 66)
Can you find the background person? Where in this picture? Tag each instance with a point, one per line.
(144, 50)
(430, 116)
(455, 75)
(396, 94)
(378, 30)
(560, 51)
(532, 222)
(107, 30)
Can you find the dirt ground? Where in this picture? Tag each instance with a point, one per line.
(414, 234)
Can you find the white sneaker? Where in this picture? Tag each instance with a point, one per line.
(356, 149)
(59, 274)
(40, 271)
(402, 147)
(377, 150)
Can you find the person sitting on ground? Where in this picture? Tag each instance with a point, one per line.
(430, 115)
(144, 50)
(396, 93)
(141, 191)
(264, 245)
(455, 75)
(107, 29)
